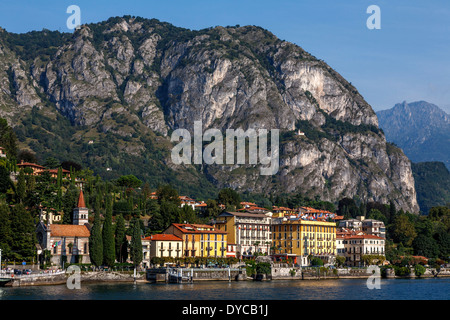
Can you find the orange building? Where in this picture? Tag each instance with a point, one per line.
(200, 240)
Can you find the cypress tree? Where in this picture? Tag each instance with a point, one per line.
(95, 241)
(136, 243)
(5, 181)
(21, 187)
(109, 254)
(59, 196)
(23, 233)
(5, 231)
(69, 201)
(392, 211)
(31, 183)
(121, 239)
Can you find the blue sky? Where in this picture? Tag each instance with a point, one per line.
(407, 59)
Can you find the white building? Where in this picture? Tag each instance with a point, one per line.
(353, 245)
(250, 232)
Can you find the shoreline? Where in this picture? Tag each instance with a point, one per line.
(117, 277)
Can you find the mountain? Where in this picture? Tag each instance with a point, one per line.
(420, 128)
(110, 95)
(432, 180)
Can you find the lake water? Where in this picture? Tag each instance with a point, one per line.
(344, 289)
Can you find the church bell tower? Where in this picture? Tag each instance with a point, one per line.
(80, 213)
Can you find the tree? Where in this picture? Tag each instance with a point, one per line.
(27, 156)
(229, 198)
(392, 211)
(121, 239)
(156, 223)
(188, 214)
(170, 213)
(377, 215)
(263, 268)
(340, 260)
(71, 165)
(166, 193)
(51, 163)
(69, 201)
(23, 233)
(425, 246)
(442, 238)
(212, 209)
(5, 231)
(96, 242)
(8, 139)
(419, 270)
(5, 181)
(59, 196)
(129, 181)
(403, 230)
(21, 187)
(109, 254)
(316, 261)
(46, 190)
(136, 254)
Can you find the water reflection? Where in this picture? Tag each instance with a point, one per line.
(344, 289)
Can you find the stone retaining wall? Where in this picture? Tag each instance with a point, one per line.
(160, 275)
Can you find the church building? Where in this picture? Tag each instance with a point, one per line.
(68, 243)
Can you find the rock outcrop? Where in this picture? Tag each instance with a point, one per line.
(128, 76)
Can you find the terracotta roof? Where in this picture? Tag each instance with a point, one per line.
(201, 205)
(163, 237)
(195, 228)
(56, 170)
(245, 214)
(251, 204)
(68, 230)
(358, 236)
(282, 208)
(253, 208)
(29, 164)
(81, 203)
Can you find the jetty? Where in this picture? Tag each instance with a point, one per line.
(14, 280)
(189, 275)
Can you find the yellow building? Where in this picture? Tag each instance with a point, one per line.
(304, 237)
(200, 240)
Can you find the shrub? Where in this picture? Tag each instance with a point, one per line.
(316, 261)
(419, 270)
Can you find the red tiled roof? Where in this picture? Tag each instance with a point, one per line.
(29, 164)
(193, 228)
(248, 203)
(68, 230)
(56, 171)
(358, 236)
(201, 205)
(163, 237)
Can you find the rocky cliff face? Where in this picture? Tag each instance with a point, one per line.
(130, 76)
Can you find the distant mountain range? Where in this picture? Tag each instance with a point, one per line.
(420, 128)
